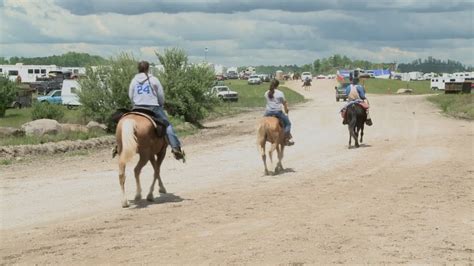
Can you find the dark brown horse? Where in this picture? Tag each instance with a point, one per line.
(137, 134)
(356, 117)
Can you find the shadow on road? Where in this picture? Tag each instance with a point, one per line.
(163, 198)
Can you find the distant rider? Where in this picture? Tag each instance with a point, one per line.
(275, 103)
(146, 92)
(356, 92)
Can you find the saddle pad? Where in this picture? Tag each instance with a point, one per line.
(144, 115)
(364, 105)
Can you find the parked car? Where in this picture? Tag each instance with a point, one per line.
(67, 95)
(232, 75)
(224, 93)
(306, 75)
(341, 92)
(254, 80)
(53, 97)
(321, 77)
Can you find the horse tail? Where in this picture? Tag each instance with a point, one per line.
(129, 140)
(261, 137)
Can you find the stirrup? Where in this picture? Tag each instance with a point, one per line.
(289, 142)
(368, 122)
(179, 154)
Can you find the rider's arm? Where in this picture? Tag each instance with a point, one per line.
(130, 91)
(361, 92)
(285, 106)
(160, 93)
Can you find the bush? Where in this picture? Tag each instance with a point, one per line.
(46, 110)
(8, 91)
(105, 89)
(185, 86)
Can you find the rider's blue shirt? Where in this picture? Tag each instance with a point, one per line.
(360, 90)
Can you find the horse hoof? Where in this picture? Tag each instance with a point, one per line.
(125, 204)
(267, 173)
(138, 197)
(162, 191)
(150, 198)
(357, 145)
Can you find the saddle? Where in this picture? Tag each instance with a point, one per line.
(159, 124)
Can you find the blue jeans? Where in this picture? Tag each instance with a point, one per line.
(283, 118)
(159, 112)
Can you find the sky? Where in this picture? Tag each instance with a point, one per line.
(239, 33)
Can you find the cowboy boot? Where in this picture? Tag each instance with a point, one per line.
(179, 154)
(368, 121)
(288, 140)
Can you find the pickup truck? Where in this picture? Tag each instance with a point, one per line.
(224, 93)
(341, 91)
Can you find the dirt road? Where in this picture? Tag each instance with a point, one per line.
(405, 196)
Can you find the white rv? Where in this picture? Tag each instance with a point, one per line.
(27, 73)
(69, 91)
(30, 73)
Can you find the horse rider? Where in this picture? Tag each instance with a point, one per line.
(275, 102)
(355, 93)
(146, 92)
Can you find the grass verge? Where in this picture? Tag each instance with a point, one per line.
(30, 140)
(456, 105)
(390, 86)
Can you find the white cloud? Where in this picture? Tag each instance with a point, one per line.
(249, 37)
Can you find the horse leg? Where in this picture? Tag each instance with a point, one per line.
(362, 133)
(160, 158)
(280, 150)
(272, 149)
(138, 168)
(122, 183)
(350, 136)
(356, 138)
(261, 148)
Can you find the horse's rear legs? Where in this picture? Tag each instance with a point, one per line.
(156, 163)
(122, 184)
(137, 170)
(261, 148)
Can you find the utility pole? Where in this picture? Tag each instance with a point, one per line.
(205, 54)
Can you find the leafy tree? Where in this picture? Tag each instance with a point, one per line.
(105, 89)
(186, 86)
(8, 90)
(67, 59)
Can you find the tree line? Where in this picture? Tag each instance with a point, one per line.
(65, 60)
(327, 65)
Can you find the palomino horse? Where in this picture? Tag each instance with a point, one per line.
(270, 130)
(137, 134)
(356, 117)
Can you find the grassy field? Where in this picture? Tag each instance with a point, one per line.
(250, 97)
(456, 105)
(390, 86)
(17, 117)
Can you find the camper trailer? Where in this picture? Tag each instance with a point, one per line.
(26, 73)
(69, 92)
(31, 73)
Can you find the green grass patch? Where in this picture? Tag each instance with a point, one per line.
(5, 162)
(390, 86)
(17, 117)
(251, 97)
(456, 105)
(30, 140)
